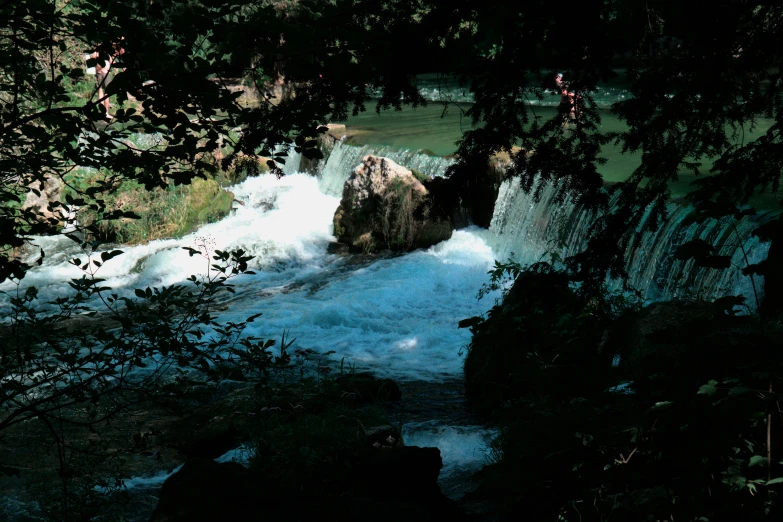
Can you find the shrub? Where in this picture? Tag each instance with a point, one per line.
(171, 212)
(607, 411)
(72, 375)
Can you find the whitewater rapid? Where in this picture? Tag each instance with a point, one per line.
(396, 316)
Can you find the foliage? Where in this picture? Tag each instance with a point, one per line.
(420, 176)
(705, 255)
(696, 93)
(176, 66)
(72, 365)
(501, 277)
(612, 412)
(541, 324)
(689, 84)
(163, 213)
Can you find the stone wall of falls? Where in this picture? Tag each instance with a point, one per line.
(525, 230)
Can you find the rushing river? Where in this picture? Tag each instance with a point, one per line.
(394, 315)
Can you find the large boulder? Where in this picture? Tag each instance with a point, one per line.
(206, 490)
(676, 346)
(44, 199)
(384, 206)
(383, 485)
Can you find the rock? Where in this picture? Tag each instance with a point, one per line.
(325, 143)
(49, 195)
(467, 197)
(212, 441)
(206, 490)
(364, 388)
(680, 339)
(406, 471)
(386, 436)
(385, 206)
(210, 430)
(407, 479)
(391, 485)
(337, 248)
(669, 316)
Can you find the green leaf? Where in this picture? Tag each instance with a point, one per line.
(105, 256)
(738, 390)
(757, 460)
(707, 389)
(696, 249)
(728, 303)
(470, 322)
(778, 480)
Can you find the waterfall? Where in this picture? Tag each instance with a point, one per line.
(344, 158)
(525, 230)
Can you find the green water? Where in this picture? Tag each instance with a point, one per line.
(430, 129)
(427, 128)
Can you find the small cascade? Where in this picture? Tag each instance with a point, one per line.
(654, 269)
(526, 231)
(344, 158)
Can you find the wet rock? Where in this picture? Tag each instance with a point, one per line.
(386, 436)
(685, 341)
(212, 441)
(337, 248)
(48, 196)
(672, 315)
(206, 490)
(211, 430)
(408, 475)
(325, 143)
(365, 388)
(383, 486)
(540, 319)
(384, 206)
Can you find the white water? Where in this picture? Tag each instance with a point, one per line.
(397, 316)
(527, 231)
(344, 158)
(463, 449)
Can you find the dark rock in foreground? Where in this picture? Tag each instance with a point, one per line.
(384, 485)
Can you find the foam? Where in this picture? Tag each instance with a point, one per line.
(397, 316)
(462, 448)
